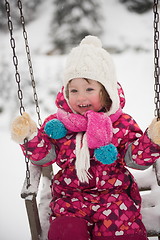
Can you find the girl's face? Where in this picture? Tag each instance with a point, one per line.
(84, 95)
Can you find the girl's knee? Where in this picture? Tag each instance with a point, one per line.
(68, 228)
(123, 237)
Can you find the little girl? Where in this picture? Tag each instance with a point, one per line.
(95, 197)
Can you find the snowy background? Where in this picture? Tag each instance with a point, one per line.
(129, 37)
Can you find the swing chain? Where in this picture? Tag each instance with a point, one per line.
(35, 96)
(156, 59)
(18, 80)
(15, 59)
(27, 163)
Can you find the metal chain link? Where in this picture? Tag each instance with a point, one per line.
(27, 163)
(156, 59)
(15, 59)
(35, 96)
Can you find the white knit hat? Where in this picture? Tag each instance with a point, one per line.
(89, 60)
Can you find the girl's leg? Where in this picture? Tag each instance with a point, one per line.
(124, 237)
(68, 228)
(101, 231)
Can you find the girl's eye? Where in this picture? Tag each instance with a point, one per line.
(73, 90)
(89, 89)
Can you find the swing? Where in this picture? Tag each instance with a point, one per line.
(39, 223)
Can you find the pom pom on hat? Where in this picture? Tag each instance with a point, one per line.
(106, 154)
(91, 40)
(55, 129)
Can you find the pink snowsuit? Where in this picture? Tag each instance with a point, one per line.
(110, 203)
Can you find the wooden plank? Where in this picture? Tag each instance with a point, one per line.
(153, 234)
(157, 171)
(33, 217)
(47, 172)
(35, 175)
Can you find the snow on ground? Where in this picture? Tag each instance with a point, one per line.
(13, 218)
(134, 72)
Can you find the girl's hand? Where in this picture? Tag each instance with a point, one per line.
(23, 127)
(154, 131)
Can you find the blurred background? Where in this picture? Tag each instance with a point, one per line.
(53, 28)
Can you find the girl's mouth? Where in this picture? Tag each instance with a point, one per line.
(84, 105)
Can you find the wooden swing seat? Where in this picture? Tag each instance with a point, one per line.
(39, 223)
(37, 198)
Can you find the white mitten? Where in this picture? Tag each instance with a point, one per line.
(23, 127)
(154, 131)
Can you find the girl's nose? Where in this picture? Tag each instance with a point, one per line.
(81, 97)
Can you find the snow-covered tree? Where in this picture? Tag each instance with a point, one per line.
(2, 16)
(29, 11)
(139, 6)
(72, 20)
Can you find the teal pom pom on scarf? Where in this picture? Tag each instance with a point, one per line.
(55, 129)
(106, 154)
